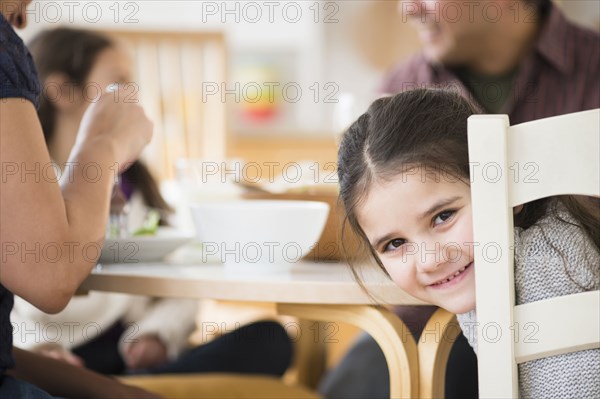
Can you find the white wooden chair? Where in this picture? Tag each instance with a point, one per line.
(555, 156)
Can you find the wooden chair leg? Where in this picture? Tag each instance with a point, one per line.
(308, 366)
(440, 333)
(387, 330)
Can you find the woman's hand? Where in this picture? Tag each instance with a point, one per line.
(116, 118)
(148, 351)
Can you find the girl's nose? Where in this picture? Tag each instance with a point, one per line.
(430, 256)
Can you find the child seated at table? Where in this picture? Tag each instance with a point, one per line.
(115, 333)
(404, 182)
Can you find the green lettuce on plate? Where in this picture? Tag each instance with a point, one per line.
(150, 225)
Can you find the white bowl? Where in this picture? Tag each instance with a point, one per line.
(259, 235)
(138, 249)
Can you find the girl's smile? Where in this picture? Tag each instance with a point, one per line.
(453, 278)
(420, 226)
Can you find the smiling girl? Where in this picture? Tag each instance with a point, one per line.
(403, 169)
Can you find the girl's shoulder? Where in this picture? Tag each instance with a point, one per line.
(555, 255)
(556, 231)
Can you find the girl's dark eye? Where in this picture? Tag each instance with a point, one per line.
(394, 244)
(443, 217)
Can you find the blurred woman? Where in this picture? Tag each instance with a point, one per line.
(138, 334)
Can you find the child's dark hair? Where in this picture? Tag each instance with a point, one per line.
(73, 53)
(424, 128)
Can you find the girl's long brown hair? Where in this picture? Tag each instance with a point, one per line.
(73, 52)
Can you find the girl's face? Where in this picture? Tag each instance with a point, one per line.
(420, 225)
(112, 65)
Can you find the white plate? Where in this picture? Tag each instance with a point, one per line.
(143, 248)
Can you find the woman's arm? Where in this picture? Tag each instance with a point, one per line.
(61, 379)
(50, 235)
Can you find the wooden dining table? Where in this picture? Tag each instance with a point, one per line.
(324, 292)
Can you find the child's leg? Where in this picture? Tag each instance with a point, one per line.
(258, 348)
(102, 353)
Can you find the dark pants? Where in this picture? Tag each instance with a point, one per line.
(259, 348)
(363, 372)
(11, 388)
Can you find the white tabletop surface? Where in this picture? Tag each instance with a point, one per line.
(305, 282)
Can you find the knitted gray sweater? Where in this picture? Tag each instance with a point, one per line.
(553, 258)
